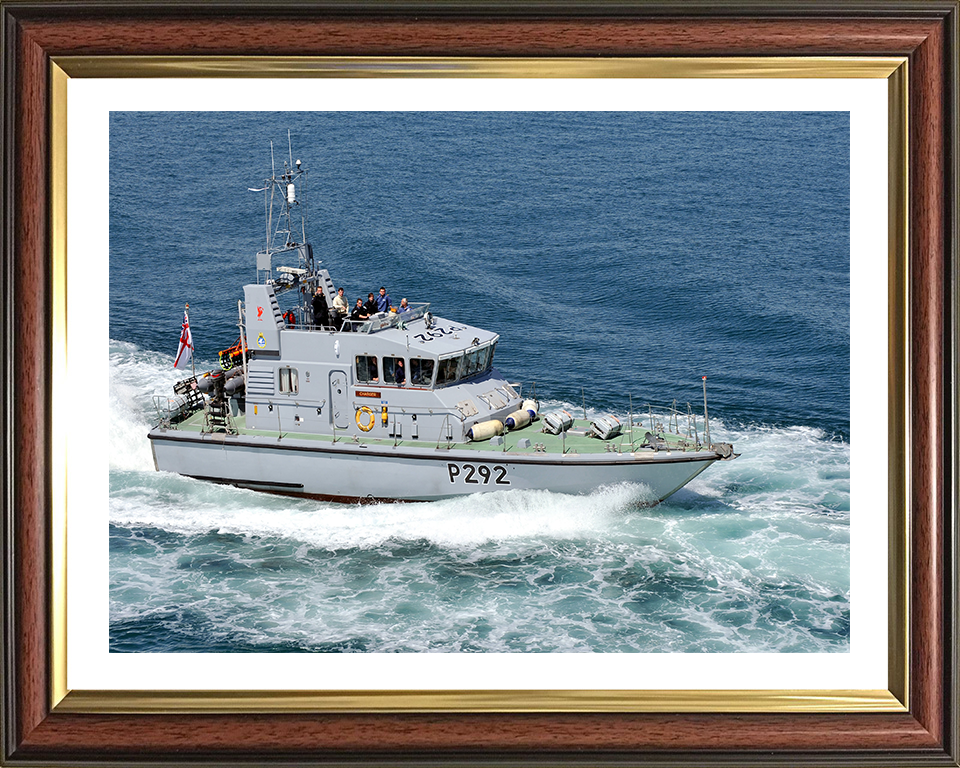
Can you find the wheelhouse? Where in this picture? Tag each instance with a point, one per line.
(406, 370)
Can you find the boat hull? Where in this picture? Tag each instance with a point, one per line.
(350, 471)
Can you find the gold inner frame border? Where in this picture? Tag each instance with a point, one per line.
(895, 699)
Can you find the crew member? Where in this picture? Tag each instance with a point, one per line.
(383, 301)
(359, 312)
(320, 311)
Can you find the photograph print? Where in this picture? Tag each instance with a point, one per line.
(482, 382)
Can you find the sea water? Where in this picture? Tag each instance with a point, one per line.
(620, 256)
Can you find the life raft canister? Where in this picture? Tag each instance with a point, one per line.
(365, 418)
(606, 426)
(556, 422)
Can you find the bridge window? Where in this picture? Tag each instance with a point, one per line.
(394, 371)
(477, 360)
(421, 372)
(449, 371)
(367, 369)
(470, 362)
(473, 362)
(289, 381)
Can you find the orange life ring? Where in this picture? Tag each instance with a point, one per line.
(371, 419)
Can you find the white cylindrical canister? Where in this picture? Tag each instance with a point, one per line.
(531, 405)
(518, 419)
(484, 430)
(291, 193)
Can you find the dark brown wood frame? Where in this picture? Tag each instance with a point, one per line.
(925, 32)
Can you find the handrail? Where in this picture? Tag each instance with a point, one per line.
(378, 322)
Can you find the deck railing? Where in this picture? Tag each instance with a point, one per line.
(378, 322)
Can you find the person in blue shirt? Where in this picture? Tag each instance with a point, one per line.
(383, 301)
(403, 306)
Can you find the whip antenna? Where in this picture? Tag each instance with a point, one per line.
(706, 419)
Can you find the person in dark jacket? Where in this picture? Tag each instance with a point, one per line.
(371, 305)
(320, 312)
(359, 312)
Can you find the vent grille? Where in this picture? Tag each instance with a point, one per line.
(260, 383)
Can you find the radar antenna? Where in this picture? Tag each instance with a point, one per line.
(284, 200)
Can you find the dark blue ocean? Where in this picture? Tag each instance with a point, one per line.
(620, 256)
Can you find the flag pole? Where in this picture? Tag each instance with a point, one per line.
(186, 314)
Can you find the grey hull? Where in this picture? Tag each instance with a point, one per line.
(348, 471)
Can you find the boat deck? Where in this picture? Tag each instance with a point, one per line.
(574, 441)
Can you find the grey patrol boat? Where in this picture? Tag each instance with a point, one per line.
(403, 405)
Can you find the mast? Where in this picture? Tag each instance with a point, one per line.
(284, 198)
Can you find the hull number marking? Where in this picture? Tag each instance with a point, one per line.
(436, 333)
(477, 475)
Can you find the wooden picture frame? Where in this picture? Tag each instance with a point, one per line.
(39, 730)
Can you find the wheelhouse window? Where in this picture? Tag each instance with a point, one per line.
(421, 372)
(449, 370)
(471, 363)
(289, 381)
(394, 371)
(367, 370)
(479, 360)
